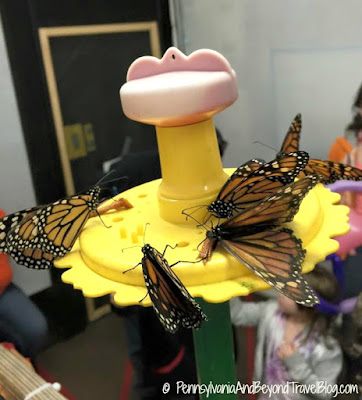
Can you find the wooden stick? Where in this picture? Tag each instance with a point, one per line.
(18, 379)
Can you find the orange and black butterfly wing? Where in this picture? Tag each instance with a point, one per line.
(9, 222)
(274, 210)
(53, 228)
(331, 171)
(268, 179)
(247, 168)
(32, 258)
(172, 302)
(276, 256)
(239, 176)
(64, 223)
(259, 184)
(292, 137)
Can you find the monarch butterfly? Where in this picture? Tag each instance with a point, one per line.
(35, 237)
(254, 237)
(254, 181)
(172, 302)
(329, 170)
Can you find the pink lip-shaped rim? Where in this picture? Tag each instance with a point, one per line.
(174, 60)
(178, 90)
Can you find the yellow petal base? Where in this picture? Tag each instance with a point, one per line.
(101, 254)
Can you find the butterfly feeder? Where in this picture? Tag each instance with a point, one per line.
(179, 95)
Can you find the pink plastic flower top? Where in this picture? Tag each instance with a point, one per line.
(178, 90)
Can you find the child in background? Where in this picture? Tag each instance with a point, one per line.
(353, 347)
(293, 342)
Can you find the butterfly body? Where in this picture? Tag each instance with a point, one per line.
(256, 238)
(172, 302)
(222, 209)
(223, 233)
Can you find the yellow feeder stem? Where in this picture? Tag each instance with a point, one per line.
(192, 172)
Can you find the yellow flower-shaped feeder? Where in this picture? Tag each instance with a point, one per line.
(101, 255)
(179, 95)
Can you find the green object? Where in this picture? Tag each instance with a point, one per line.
(214, 352)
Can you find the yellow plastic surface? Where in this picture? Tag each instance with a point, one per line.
(192, 172)
(97, 261)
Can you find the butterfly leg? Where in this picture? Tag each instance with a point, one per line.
(168, 246)
(184, 261)
(99, 215)
(127, 270)
(140, 301)
(208, 215)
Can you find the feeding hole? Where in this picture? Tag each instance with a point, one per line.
(142, 195)
(182, 244)
(134, 237)
(118, 219)
(123, 233)
(173, 57)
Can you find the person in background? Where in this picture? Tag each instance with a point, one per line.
(351, 339)
(350, 152)
(21, 322)
(293, 341)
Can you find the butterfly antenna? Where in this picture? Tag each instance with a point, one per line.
(105, 176)
(131, 247)
(115, 180)
(195, 208)
(99, 215)
(265, 145)
(144, 233)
